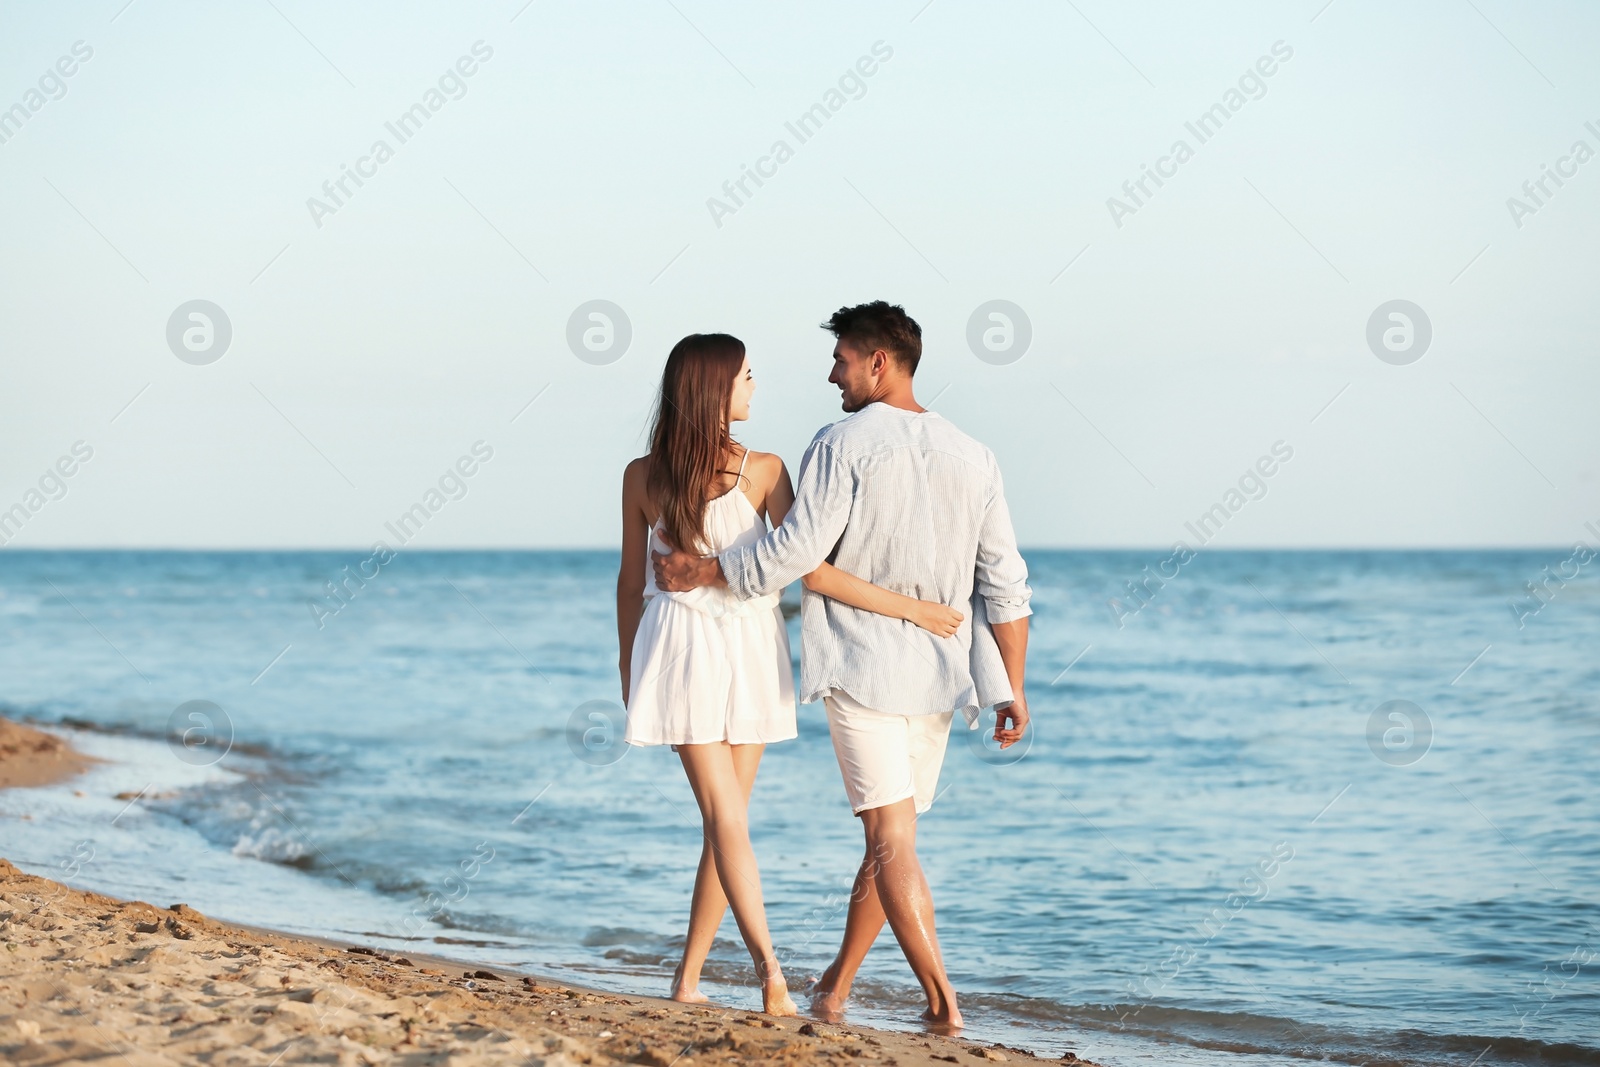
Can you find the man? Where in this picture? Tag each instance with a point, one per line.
(898, 496)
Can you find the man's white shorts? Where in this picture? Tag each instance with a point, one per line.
(886, 757)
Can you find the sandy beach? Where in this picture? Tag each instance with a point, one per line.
(30, 757)
(85, 976)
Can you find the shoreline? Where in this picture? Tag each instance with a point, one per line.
(85, 975)
(30, 757)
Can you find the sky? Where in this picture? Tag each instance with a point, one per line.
(1341, 276)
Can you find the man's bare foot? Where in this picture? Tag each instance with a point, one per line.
(947, 1022)
(827, 999)
(828, 1005)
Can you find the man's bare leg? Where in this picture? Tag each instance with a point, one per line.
(862, 925)
(903, 898)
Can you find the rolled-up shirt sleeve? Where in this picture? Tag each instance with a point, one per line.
(1001, 578)
(808, 532)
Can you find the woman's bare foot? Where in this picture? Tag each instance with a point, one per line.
(687, 992)
(775, 999)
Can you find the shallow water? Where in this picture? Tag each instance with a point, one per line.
(1208, 851)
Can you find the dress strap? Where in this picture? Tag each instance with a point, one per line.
(741, 468)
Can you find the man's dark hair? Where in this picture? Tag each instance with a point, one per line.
(880, 324)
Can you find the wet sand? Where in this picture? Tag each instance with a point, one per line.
(30, 757)
(85, 976)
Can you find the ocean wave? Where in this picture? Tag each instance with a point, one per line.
(381, 751)
(239, 817)
(1252, 1033)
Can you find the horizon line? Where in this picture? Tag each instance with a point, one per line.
(1141, 547)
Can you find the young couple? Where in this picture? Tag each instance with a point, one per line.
(898, 517)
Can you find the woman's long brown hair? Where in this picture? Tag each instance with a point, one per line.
(689, 435)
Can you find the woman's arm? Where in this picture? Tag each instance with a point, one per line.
(630, 572)
(846, 588)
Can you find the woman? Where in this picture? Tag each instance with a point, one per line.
(702, 671)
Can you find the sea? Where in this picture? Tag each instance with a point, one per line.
(1275, 805)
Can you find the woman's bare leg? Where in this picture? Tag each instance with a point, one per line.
(705, 915)
(710, 902)
(724, 811)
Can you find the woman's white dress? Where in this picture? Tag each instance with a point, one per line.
(706, 665)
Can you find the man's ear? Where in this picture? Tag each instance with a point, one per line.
(880, 362)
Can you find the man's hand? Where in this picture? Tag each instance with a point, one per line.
(679, 572)
(1011, 721)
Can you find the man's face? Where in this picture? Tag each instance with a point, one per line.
(852, 373)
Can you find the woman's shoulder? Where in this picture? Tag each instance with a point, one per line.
(765, 471)
(763, 467)
(634, 476)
